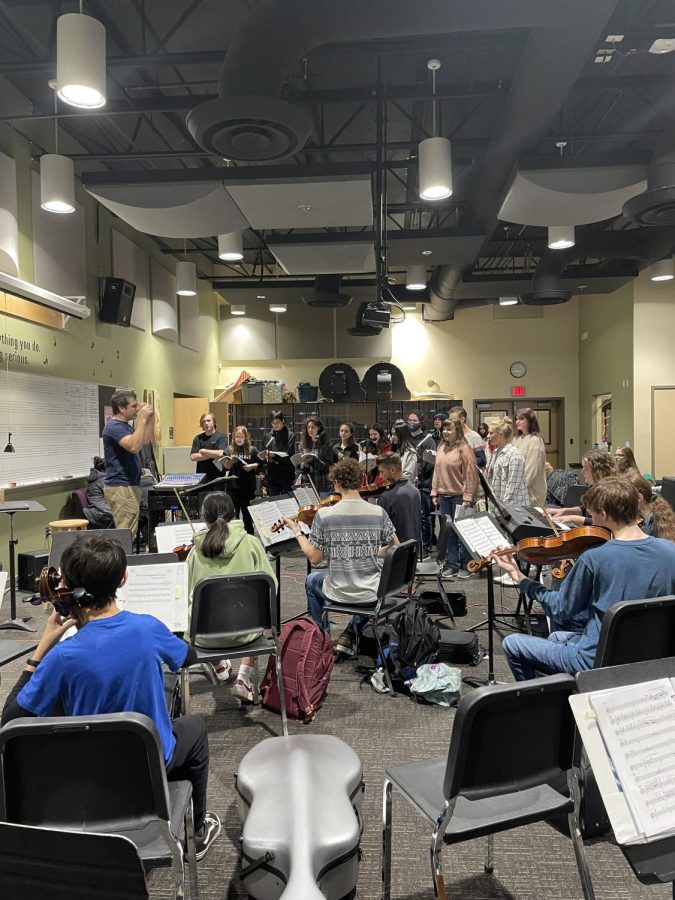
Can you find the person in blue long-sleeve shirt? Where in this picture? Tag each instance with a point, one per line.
(632, 566)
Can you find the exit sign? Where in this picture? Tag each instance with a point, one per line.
(518, 390)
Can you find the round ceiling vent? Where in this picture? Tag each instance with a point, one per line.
(321, 300)
(250, 129)
(546, 298)
(653, 207)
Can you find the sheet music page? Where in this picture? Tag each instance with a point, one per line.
(480, 535)
(265, 515)
(3, 586)
(637, 724)
(368, 461)
(305, 495)
(160, 591)
(170, 536)
(429, 456)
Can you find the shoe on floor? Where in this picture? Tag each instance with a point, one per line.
(344, 645)
(448, 572)
(209, 833)
(464, 573)
(505, 580)
(222, 669)
(243, 690)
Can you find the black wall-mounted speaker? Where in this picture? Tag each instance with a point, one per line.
(30, 565)
(117, 301)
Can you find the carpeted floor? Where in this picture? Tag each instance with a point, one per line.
(532, 862)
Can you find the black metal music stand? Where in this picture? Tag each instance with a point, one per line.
(11, 509)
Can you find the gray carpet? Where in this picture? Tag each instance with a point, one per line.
(532, 862)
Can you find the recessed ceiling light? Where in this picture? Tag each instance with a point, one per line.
(581, 287)
(427, 252)
(614, 38)
(663, 45)
(508, 301)
(260, 296)
(305, 207)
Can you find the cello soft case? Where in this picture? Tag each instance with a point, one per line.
(299, 799)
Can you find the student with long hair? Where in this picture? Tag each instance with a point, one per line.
(625, 460)
(226, 549)
(243, 463)
(346, 447)
(315, 465)
(658, 518)
(402, 443)
(377, 444)
(596, 465)
(530, 442)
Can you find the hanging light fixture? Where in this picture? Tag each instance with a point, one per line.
(416, 278)
(662, 270)
(80, 60)
(277, 307)
(57, 183)
(237, 310)
(560, 237)
(10, 446)
(508, 301)
(186, 279)
(231, 246)
(434, 154)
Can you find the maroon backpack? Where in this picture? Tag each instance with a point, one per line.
(306, 664)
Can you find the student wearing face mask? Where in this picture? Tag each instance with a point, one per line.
(422, 441)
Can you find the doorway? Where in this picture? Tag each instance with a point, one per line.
(549, 413)
(663, 432)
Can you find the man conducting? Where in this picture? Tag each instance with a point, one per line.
(121, 447)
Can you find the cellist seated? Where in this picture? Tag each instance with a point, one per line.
(629, 567)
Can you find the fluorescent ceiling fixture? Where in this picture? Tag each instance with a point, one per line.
(237, 310)
(560, 237)
(435, 168)
(80, 61)
(662, 270)
(57, 183)
(416, 278)
(231, 246)
(186, 279)
(277, 307)
(663, 45)
(508, 301)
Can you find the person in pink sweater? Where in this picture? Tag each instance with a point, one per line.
(454, 485)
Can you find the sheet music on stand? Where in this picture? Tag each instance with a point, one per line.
(480, 534)
(266, 513)
(305, 495)
(160, 591)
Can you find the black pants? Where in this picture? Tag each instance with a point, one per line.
(190, 762)
(241, 505)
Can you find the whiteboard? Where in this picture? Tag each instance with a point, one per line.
(54, 424)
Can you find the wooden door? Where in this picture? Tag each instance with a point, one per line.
(186, 414)
(663, 431)
(549, 414)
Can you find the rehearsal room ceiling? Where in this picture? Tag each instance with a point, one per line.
(295, 119)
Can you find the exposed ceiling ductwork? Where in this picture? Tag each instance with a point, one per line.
(656, 205)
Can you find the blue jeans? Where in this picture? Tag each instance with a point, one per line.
(316, 599)
(426, 506)
(527, 655)
(457, 555)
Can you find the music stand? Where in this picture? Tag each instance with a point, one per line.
(11, 509)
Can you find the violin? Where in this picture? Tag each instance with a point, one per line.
(540, 551)
(182, 551)
(375, 488)
(306, 513)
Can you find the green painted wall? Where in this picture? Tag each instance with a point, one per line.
(89, 350)
(606, 362)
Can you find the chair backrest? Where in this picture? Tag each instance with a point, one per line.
(65, 771)
(151, 559)
(231, 605)
(63, 539)
(444, 533)
(574, 493)
(637, 631)
(398, 569)
(67, 865)
(79, 497)
(668, 489)
(530, 723)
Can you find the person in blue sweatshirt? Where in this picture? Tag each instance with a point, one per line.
(631, 566)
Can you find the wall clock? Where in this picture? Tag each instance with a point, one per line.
(518, 369)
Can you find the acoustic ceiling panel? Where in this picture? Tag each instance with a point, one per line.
(324, 258)
(308, 203)
(407, 248)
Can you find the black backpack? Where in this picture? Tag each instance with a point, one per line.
(415, 641)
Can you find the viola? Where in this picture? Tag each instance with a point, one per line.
(306, 513)
(540, 551)
(182, 551)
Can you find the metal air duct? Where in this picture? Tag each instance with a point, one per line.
(656, 205)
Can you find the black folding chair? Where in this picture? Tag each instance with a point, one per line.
(398, 573)
(102, 774)
(228, 608)
(477, 790)
(68, 865)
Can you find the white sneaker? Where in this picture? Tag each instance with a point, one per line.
(243, 690)
(222, 669)
(505, 580)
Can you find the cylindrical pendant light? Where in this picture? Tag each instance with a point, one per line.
(277, 307)
(560, 237)
(80, 61)
(416, 278)
(57, 183)
(186, 279)
(237, 309)
(435, 168)
(508, 301)
(662, 270)
(231, 246)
